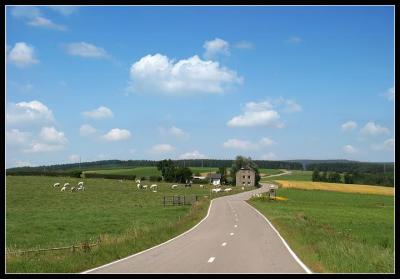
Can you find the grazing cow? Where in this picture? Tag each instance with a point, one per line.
(228, 189)
(66, 184)
(174, 186)
(144, 187)
(56, 185)
(139, 186)
(80, 183)
(63, 188)
(216, 190)
(73, 189)
(201, 186)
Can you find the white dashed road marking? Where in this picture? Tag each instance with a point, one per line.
(231, 233)
(235, 226)
(224, 244)
(210, 260)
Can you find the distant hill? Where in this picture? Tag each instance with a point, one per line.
(284, 164)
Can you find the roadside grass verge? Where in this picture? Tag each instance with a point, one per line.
(335, 232)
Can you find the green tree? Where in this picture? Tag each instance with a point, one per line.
(222, 171)
(334, 177)
(182, 174)
(167, 168)
(316, 176)
(324, 177)
(348, 178)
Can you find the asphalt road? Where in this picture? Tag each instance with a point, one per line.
(233, 238)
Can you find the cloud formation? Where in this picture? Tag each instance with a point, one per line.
(215, 47)
(33, 112)
(372, 129)
(349, 149)
(173, 131)
(387, 145)
(34, 17)
(86, 50)
(257, 114)
(157, 73)
(99, 113)
(348, 126)
(22, 55)
(117, 134)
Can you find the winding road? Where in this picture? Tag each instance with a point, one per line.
(233, 238)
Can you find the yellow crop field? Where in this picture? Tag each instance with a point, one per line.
(339, 187)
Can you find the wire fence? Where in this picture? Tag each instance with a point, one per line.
(75, 247)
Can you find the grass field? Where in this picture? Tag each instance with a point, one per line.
(126, 219)
(294, 175)
(139, 171)
(333, 231)
(340, 187)
(265, 172)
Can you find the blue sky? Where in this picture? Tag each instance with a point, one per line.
(272, 82)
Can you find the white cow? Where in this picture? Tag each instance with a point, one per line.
(66, 184)
(201, 186)
(137, 181)
(174, 186)
(73, 189)
(56, 184)
(80, 183)
(145, 187)
(138, 186)
(228, 189)
(215, 190)
(63, 188)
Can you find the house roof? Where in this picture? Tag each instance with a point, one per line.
(214, 176)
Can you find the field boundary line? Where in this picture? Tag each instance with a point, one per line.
(284, 242)
(131, 256)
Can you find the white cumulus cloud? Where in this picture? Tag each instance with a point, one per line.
(157, 73)
(214, 47)
(22, 55)
(174, 131)
(84, 49)
(17, 137)
(192, 155)
(51, 135)
(161, 148)
(33, 16)
(28, 113)
(64, 10)
(349, 125)
(47, 23)
(386, 145)
(99, 113)
(349, 149)
(117, 134)
(372, 129)
(256, 114)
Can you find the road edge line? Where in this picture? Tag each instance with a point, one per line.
(283, 240)
(131, 256)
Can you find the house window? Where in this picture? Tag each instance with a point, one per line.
(249, 176)
(244, 176)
